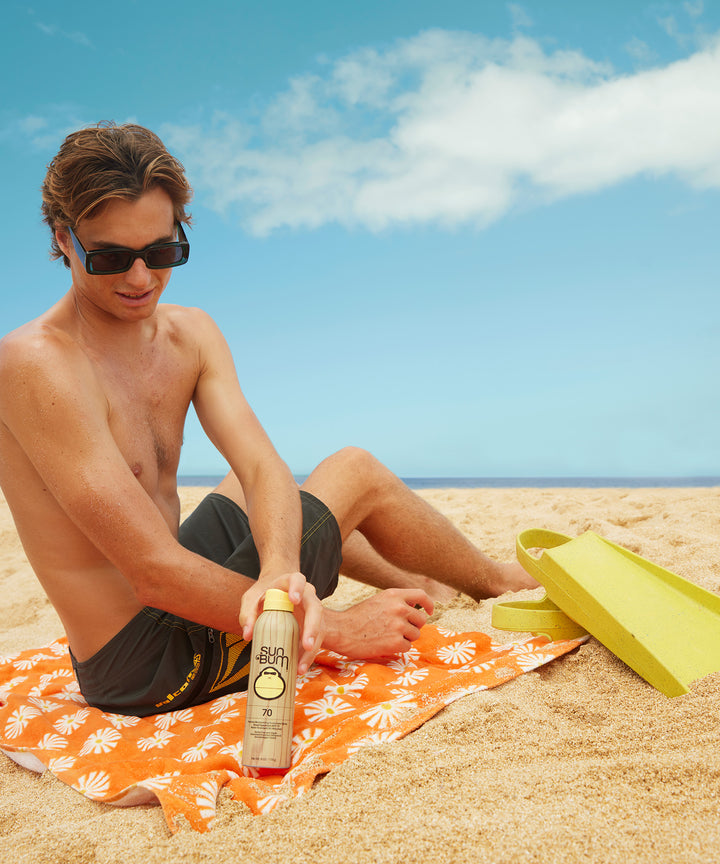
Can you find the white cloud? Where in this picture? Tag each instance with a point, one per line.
(452, 128)
(519, 15)
(76, 36)
(46, 132)
(640, 51)
(38, 132)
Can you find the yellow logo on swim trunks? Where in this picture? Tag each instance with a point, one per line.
(269, 684)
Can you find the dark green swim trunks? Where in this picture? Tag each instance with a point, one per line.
(160, 662)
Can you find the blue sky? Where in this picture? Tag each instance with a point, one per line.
(477, 238)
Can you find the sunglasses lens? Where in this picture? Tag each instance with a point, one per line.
(165, 256)
(109, 262)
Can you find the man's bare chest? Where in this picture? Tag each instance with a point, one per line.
(147, 406)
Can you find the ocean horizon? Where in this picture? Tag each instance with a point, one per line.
(510, 482)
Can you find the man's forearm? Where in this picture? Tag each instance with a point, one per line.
(275, 516)
(184, 583)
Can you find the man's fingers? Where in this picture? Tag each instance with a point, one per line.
(417, 617)
(251, 604)
(415, 597)
(296, 587)
(423, 601)
(309, 611)
(312, 622)
(249, 610)
(313, 628)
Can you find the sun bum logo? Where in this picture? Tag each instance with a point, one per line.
(270, 684)
(273, 655)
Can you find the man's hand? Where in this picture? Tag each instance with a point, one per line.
(381, 626)
(308, 610)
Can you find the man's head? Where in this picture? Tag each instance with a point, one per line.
(104, 163)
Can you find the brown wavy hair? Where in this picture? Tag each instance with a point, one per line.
(106, 162)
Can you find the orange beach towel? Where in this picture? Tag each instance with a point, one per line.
(182, 759)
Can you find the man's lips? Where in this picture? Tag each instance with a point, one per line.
(134, 296)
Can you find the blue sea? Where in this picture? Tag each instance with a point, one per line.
(512, 482)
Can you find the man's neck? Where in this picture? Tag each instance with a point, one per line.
(101, 331)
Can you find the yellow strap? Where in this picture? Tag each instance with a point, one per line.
(536, 538)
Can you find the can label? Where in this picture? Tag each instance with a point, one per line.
(269, 684)
(273, 655)
(271, 692)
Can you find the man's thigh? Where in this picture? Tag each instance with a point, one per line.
(218, 529)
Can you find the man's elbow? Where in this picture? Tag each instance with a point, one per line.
(152, 581)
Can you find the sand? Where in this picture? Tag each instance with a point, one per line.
(579, 761)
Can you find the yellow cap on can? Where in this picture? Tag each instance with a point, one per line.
(277, 600)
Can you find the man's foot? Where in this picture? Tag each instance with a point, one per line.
(513, 577)
(436, 591)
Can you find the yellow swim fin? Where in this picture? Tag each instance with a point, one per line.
(664, 627)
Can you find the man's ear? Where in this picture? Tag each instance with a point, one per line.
(63, 241)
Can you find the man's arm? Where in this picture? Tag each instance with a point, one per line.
(52, 404)
(273, 501)
(270, 491)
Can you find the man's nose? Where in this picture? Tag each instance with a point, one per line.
(138, 274)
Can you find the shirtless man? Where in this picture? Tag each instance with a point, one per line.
(93, 399)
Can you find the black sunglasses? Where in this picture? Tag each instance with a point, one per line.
(158, 256)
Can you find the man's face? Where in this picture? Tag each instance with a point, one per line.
(132, 295)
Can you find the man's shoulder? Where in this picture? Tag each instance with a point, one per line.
(189, 322)
(40, 355)
(36, 341)
(182, 315)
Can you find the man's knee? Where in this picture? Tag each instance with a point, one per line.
(351, 482)
(365, 471)
(360, 462)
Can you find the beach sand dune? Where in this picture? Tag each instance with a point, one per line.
(579, 761)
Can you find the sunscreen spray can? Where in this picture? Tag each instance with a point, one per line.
(271, 686)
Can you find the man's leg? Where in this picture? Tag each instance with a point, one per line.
(363, 564)
(360, 561)
(404, 529)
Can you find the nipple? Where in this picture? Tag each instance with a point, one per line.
(136, 469)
